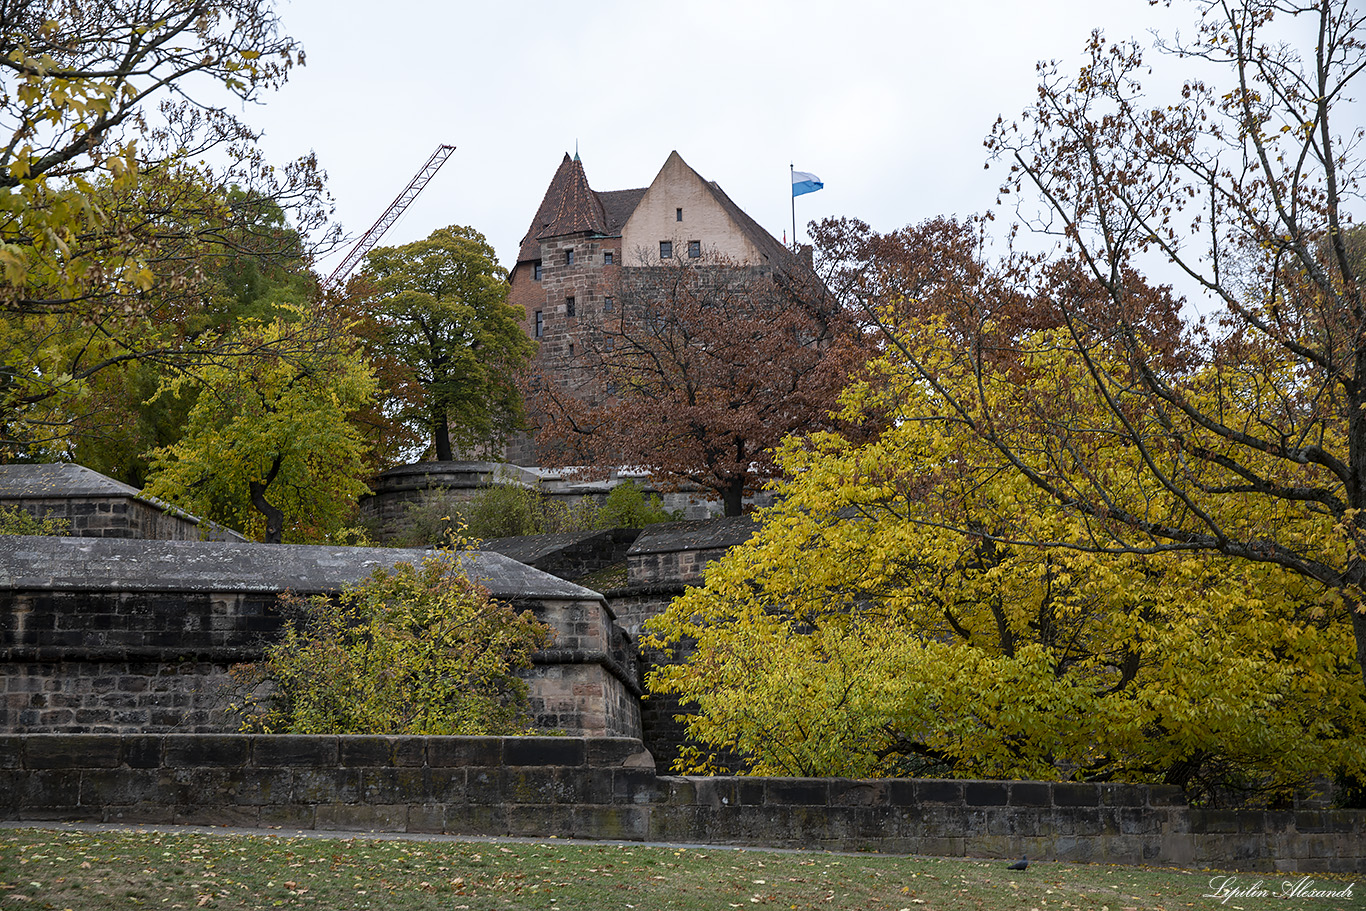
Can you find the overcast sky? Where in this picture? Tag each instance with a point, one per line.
(888, 102)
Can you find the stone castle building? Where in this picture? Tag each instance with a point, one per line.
(586, 248)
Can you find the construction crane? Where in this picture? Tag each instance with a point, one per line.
(391, 214)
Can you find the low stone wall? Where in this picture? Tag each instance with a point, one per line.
(568, 555)
(119, 636)
(678, 552)
(606, 788)
(95, 506)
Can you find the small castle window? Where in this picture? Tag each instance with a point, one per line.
(571, 349)
(607, 257)
(606, 303)
(569, 257)
(678, 214)
(666, 249)
(540, 324)
(536, 271)
(694, 249)
(569, 306)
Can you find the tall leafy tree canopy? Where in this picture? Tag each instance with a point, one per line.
(445, 343)
(110, 211)
(895, 615)
(1249, 430)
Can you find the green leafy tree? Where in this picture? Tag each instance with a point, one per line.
(270, 447)
(445, 342)
(412, 650)
(259, 273)
(627, 506)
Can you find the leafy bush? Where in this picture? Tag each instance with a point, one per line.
(412, 650)
(16, 521)
(628, 507)
(506, 510)
(431, 521)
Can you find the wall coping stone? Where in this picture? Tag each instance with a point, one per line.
(122, 564)
(530, 548)
(694, 534)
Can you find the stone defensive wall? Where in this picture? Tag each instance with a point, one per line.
(607, 788)
(105, 635)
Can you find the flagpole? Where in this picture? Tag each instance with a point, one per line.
(792, 167)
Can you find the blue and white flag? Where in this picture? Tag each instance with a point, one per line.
(804, 182)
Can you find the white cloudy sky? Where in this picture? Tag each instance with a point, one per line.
(888, 101)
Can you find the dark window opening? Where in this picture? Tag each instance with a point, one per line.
(694, 249)
(540, 324)
(571, 349)
(666, 249)
(607, 258)
(606, 303)
(569, 257)
(678, 214)
(569, 306)
(536, 271)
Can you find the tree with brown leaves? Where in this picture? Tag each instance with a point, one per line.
(703, 369)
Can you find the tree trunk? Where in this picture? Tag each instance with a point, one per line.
(275, 517)
(733, 497)
(441, 435)
(1355, 579)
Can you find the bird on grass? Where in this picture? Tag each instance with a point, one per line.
(1021, 864)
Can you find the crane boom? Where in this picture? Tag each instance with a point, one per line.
(391, 214)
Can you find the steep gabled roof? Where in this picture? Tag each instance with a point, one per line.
(571, 206)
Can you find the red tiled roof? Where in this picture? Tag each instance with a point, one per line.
(571, 206)
(618, 205)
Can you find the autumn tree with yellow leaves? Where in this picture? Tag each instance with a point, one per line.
(895, 614)
(123, 176)
(271, 446)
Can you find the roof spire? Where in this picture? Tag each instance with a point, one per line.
(576, 149)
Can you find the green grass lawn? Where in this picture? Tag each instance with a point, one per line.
(124, 869)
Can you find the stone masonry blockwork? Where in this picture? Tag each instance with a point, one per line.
(606, 788)
(117, 636)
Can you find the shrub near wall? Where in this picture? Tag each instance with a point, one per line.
(606, 788)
